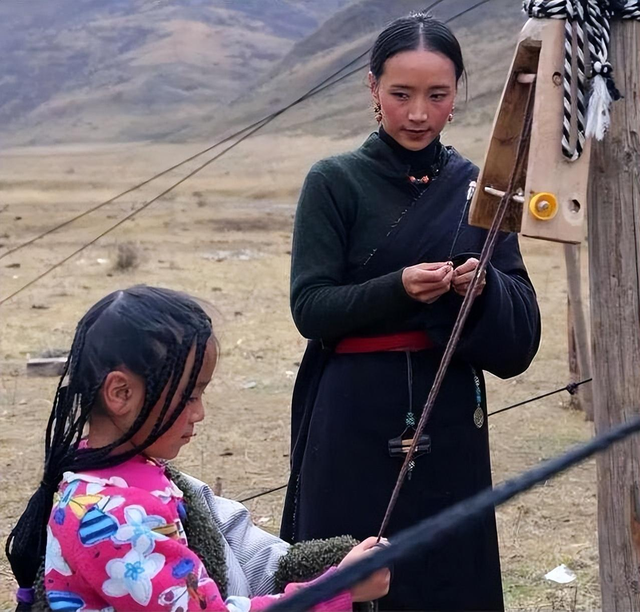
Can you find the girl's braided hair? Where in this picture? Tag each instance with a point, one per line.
(148, 330)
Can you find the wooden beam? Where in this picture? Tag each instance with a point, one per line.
(46, 366)
(614, 259)
(550, 180)
(578, 328)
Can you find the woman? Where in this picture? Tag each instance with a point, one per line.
(382, 255)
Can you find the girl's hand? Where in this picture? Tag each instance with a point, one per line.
(426, 282)
(376, 585)
(463, 275)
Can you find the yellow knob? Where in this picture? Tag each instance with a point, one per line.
(543, 206)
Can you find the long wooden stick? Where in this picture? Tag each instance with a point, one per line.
(487, 251)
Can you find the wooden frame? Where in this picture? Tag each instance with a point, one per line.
(539, 57)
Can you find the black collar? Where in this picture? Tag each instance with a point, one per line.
(419, 162)
(390, 160)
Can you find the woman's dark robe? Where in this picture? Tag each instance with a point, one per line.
(360, 222)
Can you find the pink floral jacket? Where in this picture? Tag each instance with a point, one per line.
(115, 541)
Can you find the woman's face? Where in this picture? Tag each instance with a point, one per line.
(416, 93)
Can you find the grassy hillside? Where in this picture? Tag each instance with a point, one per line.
(487, 36)
(89, 70)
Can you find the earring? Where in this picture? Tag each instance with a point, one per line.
(377, 110)
(450, 119)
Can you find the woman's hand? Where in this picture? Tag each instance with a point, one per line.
(463, 275)
(426, 282)
(376, 585)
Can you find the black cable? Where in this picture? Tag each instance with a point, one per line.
(126, 218)
(274, 490)
(433, 530)
(165, 192)
(313, 91)
(570, 388)
(325, 84)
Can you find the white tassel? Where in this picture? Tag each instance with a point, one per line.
(598, 117)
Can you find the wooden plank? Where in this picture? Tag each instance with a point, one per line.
(548, 170)
(503, 145)
(578, 329)
(614, 258)
(46, 366)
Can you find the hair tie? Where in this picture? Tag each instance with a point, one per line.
(25, 595)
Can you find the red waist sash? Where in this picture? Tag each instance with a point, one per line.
(404, 341)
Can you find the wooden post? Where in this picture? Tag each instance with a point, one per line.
(578, 335)
(614, 258)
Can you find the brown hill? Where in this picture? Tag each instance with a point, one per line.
(88, 70)
(126, 70)
(487, 35)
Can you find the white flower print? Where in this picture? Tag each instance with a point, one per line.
(138, 530)
(132, 575)
(53, 559)
(98, 483)
(169, 493)
(93, 488)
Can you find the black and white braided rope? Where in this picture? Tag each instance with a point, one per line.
(590, 112)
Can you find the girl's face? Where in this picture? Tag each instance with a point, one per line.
(181, 432)
(123, 396)
(416, 93)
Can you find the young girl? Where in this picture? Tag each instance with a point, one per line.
(119, 533)
(382, 255)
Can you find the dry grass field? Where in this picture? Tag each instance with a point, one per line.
(133, 74)
(225, 236)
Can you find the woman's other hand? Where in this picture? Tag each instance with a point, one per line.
(426, 282)
(376, 585)
(463, 275)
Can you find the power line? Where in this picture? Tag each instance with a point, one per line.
(326, 83)
(570, 388)
(315, 90)
(262, 494)
(246, 135)
(433, 530)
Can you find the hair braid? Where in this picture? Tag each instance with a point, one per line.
(151, 332)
